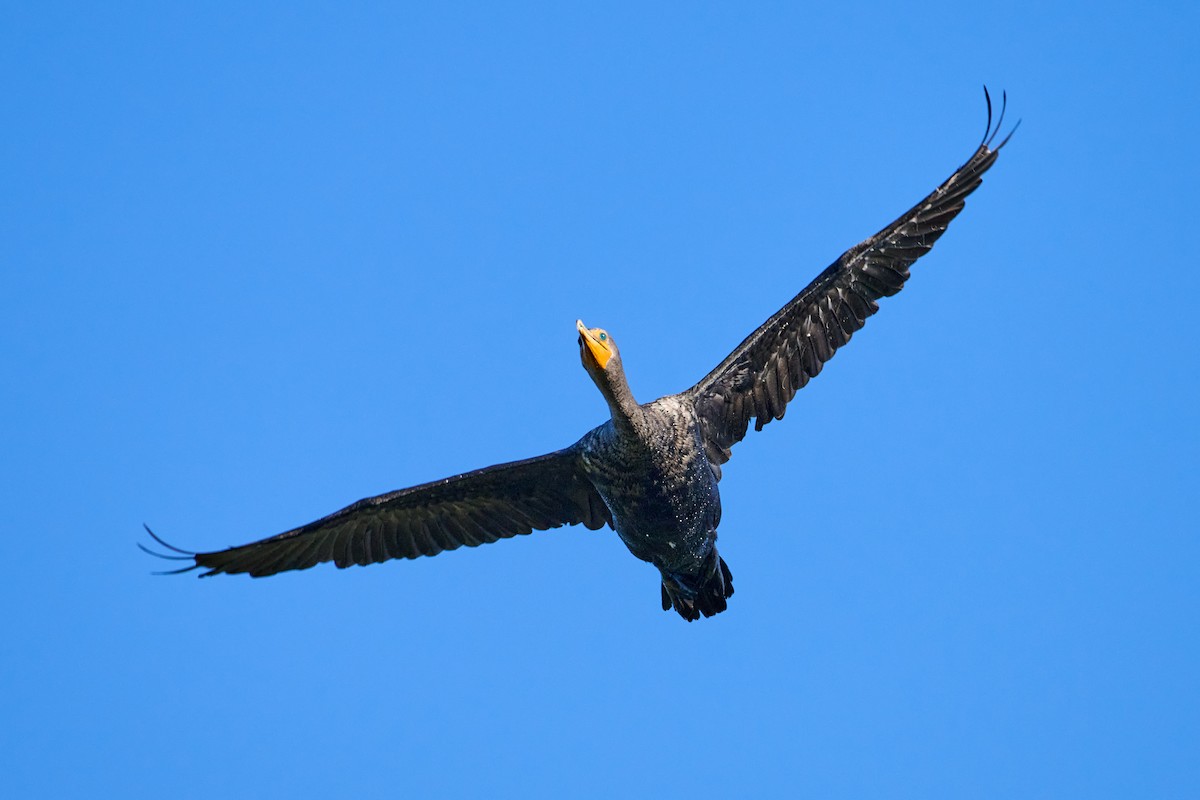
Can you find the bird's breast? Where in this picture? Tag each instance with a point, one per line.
(658, 485)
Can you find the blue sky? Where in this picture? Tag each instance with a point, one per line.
(261, 262)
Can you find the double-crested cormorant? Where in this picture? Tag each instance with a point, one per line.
(651, 471)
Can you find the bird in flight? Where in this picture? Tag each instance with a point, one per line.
(651, 471)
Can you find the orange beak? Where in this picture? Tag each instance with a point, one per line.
(598, 349)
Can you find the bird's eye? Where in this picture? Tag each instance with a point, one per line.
(604, 337)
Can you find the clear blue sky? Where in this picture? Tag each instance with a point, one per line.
(261, 262)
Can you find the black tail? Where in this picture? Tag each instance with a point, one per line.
(705, 593)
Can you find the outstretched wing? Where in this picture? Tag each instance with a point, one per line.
(470, 509)
(761, 376)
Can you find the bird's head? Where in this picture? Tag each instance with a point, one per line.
(597, 350)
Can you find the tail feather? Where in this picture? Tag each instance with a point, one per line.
(705, 593)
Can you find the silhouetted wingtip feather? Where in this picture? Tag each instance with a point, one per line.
(999, 120)
(179, 571)
(167, 545)
(163, 556)
(1004, 141)
(186, 555)
(992, 131)
(988, 129)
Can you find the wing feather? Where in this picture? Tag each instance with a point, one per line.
(761, 376)
(466, 510)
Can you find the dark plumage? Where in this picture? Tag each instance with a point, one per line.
(651, 471)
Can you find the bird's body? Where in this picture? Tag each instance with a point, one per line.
(657, 483)
(651, 471)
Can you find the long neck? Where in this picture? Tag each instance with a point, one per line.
(615, 388)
